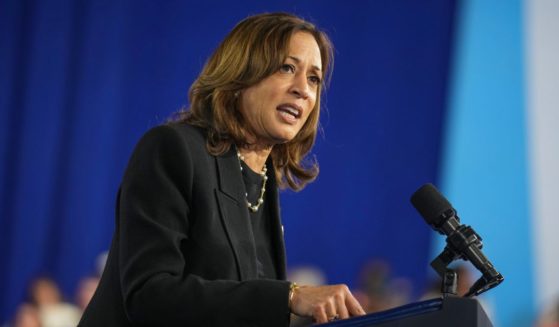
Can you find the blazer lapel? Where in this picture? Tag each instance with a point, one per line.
(277, 227)
(234, 214)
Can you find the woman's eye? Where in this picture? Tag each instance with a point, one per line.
(286, 68)
(315, 80)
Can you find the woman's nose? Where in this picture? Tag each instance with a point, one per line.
(300, 87)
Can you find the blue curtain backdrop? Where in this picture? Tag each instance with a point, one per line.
(81, 81)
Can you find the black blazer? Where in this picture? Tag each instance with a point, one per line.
(183, 252)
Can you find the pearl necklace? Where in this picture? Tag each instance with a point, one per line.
(254, 207)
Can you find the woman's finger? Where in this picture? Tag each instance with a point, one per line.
(331, 309)
(353, 306)
(319, 315)
(341, 306)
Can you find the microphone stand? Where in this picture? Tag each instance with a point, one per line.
(449, 277)
(456, 244)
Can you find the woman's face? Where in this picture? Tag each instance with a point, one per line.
(277, 107)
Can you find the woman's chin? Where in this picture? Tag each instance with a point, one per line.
(278, 134)
(282, 138)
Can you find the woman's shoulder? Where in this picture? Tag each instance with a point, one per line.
(173, 139)
(174, 134)
(184, 131)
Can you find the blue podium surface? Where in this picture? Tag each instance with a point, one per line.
(450, 311)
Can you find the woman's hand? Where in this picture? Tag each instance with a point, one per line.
(325, 303)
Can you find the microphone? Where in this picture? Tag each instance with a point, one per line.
(462, 241)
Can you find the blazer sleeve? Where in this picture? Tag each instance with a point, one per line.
(153, 223)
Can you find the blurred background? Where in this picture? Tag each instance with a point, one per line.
(463, 94)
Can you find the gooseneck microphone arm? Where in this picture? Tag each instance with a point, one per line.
(462, 241)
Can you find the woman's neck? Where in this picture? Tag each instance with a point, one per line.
(255, 156)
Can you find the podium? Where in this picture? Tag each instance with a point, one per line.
(441, 312)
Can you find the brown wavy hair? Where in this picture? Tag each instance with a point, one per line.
(255, 49)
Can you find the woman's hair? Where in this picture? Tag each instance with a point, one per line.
(255, 49)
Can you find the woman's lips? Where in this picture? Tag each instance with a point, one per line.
(287, 117)
(291, 108)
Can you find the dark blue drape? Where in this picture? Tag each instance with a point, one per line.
(81, 81)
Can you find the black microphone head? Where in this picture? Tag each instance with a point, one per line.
(430, 204)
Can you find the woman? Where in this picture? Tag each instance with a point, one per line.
(198, 238)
